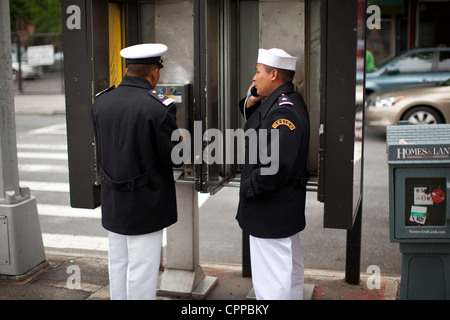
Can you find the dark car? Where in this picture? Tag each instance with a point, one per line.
(414, 67)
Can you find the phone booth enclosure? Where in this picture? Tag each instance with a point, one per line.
(212, 55)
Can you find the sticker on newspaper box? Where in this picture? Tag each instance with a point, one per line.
(418, 214)
(422, 196)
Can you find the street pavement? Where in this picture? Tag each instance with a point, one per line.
(52, 279)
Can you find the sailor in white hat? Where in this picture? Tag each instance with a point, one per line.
(272, 207)
(133, 128)
(144, 56)
(146, 53)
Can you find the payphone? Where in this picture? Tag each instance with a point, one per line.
(181, 95)
(419, 182)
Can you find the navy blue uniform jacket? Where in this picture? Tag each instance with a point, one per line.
(273, 206)
(133, 131)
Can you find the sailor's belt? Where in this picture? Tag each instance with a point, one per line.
(127, 185)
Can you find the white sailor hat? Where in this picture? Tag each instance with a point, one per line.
(277, 58)
(146, 53)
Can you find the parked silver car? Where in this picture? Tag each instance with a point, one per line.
(419, 105)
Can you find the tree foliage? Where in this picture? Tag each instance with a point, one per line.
(44, 15)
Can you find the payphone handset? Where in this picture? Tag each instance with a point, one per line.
(254, 92)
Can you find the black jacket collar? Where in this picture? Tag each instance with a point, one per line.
(267, 103)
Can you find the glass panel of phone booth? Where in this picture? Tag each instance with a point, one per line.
(341, 126)
(311, 92)
(215, 89)
(206, 59)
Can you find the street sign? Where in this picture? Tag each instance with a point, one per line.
(41, 55)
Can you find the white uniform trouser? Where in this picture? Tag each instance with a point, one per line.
(133, 263)
(277, 268)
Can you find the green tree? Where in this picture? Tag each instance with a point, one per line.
(20, 11)
(44, 15)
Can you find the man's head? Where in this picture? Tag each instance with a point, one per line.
(144, 60)
(275, 67)
(147, 71)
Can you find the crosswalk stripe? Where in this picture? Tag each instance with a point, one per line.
(59, 128)
(41, 146)
(42, 155)
(67, 241)
(78, 242)
(67, 211)
(43, 168)
(46, 186)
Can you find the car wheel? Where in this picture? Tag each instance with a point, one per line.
(422, 115)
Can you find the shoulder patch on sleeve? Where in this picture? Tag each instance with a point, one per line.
(284, 122)
(161, 98)
(104, 91)
(284, 100)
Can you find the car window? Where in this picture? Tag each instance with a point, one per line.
(417, 62)
(444, 61)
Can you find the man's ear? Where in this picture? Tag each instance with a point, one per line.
(127, 72)
(153, 77)
(274, 74)
(154, 74)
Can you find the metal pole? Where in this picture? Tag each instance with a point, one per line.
(9, 172)
(183, 275)
(19, 61)
(21, 246)
(353, 251)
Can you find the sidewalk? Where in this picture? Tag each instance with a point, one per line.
(50, 282)
(50, 104)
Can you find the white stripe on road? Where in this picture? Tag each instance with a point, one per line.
(46, 186)
(42, 155)
(67, 211)
(42, 146)
(43, 168)
(77, 242)
(59, 128)
(66, 241)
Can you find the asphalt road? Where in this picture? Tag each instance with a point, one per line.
(42, 146)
